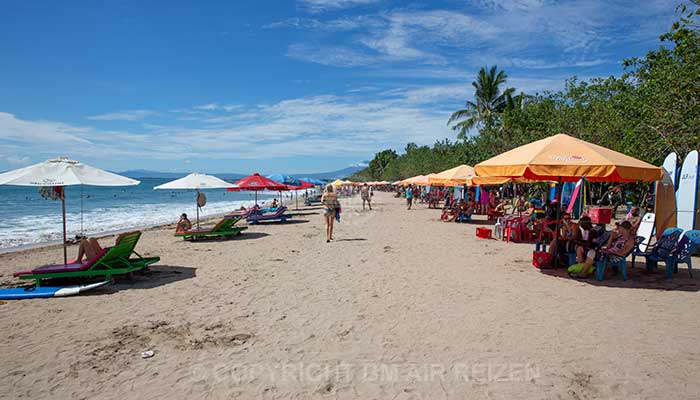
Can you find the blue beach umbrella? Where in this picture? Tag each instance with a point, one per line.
(313, 181)
(285, 179)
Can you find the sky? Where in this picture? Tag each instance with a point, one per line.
(282, 86)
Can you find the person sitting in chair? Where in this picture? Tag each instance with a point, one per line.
(616, 249)
(495, 206)
(184, 224)
(89, 248)
(569, 234)
(450, 214)
(588, 238)
(634, 219)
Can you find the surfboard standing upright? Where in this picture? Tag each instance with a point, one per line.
(687, 194)
(671, 166)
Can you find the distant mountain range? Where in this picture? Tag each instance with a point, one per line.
(143, 173)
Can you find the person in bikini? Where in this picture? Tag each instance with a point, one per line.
(89, 248)
(330, 202)
(617, 247)
(184, 224)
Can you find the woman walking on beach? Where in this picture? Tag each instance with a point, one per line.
(330, 203)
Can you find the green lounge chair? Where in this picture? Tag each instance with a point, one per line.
(224, 228)
(121, 259)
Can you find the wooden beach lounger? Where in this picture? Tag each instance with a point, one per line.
(121, 259)
(224, 228)
(278, 215)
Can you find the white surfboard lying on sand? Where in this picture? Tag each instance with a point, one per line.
(47, 291)
(687, 194)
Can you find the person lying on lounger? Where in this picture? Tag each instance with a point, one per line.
(184, 224)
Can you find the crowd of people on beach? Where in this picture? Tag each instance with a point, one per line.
(546, 222)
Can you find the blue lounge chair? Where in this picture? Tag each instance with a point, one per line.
(660, 250)
(682, 253)
(278, 215)
(621, 264)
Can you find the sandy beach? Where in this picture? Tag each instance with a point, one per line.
(400, 306)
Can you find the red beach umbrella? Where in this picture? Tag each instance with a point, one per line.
(304, 185)
(255, 183)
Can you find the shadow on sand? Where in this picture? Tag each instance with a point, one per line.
(245, 235)
(637, 278)
(288, 222)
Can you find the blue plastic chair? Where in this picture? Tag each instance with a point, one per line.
(660, 250)
(621, 264)
(682, 253)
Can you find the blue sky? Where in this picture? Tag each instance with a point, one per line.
(282, 86)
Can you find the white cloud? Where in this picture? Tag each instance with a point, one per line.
(336, 56)
(217, 106)
(316, 6)
(132, 115)
(17, 160)
(515, 4)
(47, 132)
(527, 34)
(357, 123)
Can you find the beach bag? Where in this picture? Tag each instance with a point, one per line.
(338, 210)
(541, 259)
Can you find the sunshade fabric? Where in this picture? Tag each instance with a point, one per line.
(196, 181)
(63, 172)
(562, 157)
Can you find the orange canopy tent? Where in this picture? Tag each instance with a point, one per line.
(457, 176)
(420, 180)
(564, 158)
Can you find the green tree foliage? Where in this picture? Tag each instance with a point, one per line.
(380, 162)
(490, 101)
(651, 109)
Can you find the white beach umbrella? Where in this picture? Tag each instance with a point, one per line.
(63, 172)
(196, 181)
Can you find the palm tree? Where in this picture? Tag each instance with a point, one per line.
(490, 101)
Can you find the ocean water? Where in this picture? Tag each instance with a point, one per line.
(28, 219)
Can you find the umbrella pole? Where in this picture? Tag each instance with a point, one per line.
(296, 199)
(196, 203)
(63, 212)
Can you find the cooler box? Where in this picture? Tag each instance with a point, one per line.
(600, 215)
(484, 233)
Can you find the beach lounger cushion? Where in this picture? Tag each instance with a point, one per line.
(225, 227)
(279, 214)
(72, 266)
(120, 259)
